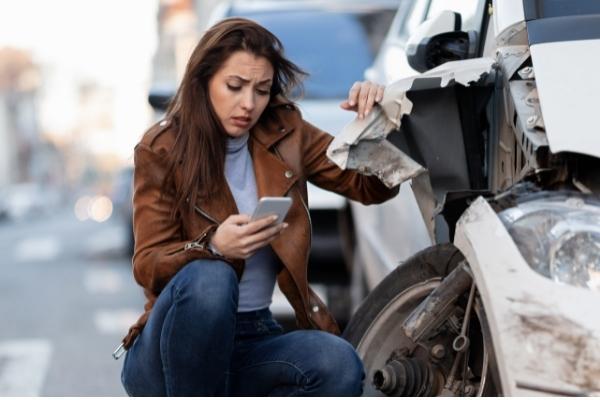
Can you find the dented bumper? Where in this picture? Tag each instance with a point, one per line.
(546, 335)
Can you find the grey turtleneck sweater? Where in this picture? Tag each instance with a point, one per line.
(258, 281)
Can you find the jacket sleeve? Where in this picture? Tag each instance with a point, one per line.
(160, 250)
(324, 173)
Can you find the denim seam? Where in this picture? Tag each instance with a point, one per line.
(275, 362)
(166, 333)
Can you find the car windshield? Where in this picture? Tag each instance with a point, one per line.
(560, 8)
(332, 46)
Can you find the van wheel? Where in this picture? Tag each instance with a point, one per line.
(376, 332)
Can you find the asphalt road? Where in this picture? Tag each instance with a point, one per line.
(68, 297)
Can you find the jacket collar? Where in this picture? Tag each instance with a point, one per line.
(269, 131)
(273, 176)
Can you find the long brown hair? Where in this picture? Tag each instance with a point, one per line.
(200, 145)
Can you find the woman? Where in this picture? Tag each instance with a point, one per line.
(230, 137)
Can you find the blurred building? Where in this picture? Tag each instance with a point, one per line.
(19, 132)
(180, 25)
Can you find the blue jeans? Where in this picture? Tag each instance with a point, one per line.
(195, 344)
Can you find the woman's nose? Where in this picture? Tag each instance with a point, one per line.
(248, 102)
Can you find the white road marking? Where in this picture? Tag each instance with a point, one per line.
(23, 366)
(115, 322)
(103, 280)
(37, 249)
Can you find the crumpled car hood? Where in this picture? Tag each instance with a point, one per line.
(362, 144)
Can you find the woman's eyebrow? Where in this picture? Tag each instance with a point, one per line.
(269, 80)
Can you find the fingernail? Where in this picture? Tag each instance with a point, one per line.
(274, 218)
(285, 225)
(368, 111)
(360, 116)
(351, 103)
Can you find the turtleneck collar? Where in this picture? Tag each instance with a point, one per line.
(235, 144)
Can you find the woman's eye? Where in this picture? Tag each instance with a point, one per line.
(234, 88)
(263, 92)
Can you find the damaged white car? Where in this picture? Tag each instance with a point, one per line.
(502, 152)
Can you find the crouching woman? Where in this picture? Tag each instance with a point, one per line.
(230, 137)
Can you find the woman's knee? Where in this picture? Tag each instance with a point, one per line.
(337, 367)
(210, 284)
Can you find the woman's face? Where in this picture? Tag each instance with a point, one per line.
(240, 90)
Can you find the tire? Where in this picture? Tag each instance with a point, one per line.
(375, 328)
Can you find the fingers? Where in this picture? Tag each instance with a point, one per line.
(258, 225)
(267, 234)
(371, 96)
(264, 237)
(346, 105)
(237, 219)
(353, 95)
(380, 90)
(239, 237)
(362, 96)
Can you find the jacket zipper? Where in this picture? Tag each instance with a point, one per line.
(205, 214)
(195, 244)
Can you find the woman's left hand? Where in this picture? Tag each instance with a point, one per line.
(362, 96)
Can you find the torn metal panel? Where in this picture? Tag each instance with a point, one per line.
(421, 187)
(547, 341)
(399, 167)
(515, 34)
(438, 143)
(511, 58)
(529, 121)
(380, 152)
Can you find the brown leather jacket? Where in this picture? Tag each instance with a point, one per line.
(286, 152)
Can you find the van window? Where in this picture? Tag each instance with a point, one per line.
(334, 47)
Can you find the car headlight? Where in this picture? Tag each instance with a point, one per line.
(559, 238)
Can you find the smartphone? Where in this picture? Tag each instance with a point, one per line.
(272, 206)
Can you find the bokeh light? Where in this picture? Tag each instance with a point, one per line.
(97, 208)
(81, 208)
(101, 208)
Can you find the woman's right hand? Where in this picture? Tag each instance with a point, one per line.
(239, 237)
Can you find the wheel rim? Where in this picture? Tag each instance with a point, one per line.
(385, 334)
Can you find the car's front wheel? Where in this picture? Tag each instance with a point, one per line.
(394, 364)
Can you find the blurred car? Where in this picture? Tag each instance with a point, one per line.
(121, 196)
(334, 41)
(22, 200)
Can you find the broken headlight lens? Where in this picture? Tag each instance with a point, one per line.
(559, 238)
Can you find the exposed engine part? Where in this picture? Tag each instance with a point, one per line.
(461, 343)
(407, 377)
(438, 305)
(438, 351)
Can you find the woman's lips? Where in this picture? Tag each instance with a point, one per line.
(241, 122)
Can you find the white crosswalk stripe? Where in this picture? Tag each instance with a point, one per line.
(115, 322)
(103, 280)
(37, 249)
(23, 366)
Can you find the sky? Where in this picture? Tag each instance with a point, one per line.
(103, 39)
(107, 42)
